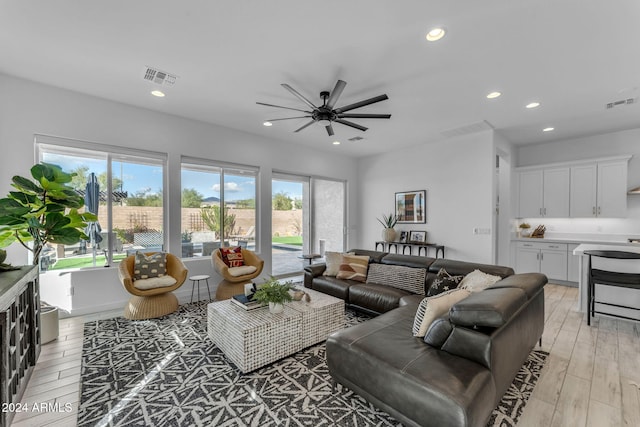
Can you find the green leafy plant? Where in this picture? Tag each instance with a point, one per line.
(524, 225)
(274, 291)
(212, 219)
(388, 221)
(43, 211)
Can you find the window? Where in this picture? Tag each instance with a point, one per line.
(218, 206)
(131, 204)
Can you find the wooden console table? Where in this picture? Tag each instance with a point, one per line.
(386, 247)
(19, 334)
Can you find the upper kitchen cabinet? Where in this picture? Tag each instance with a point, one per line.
(581, 189)
(544, 193)
(599, 189)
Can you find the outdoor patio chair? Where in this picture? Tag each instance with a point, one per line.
(232, 284)
(155, 302)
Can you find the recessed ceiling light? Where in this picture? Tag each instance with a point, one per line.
(157, 93)
(533, 105)
(336, 143)
(549, 129)
(267, 124)
(493, 95)
(435, 34)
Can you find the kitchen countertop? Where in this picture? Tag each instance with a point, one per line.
(619, 241)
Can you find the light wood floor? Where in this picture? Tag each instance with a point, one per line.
(592, 376)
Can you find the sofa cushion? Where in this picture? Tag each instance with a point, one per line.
(374, 256)
(242, 270)
(477, 281)
(407, 260)
(463, 268)
(443, 282)
(149, 266)
(530, 283)
(333, 286)
(434, 307)
(154, 282)
(354, 267)
(397, 276)
(491, 308)
(333, 261)
(375, 298)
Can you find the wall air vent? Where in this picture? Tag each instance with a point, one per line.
(627, 101)
(158, 77)
(356, 138)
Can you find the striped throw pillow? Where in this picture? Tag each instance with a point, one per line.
(432, 308)
(398, 276)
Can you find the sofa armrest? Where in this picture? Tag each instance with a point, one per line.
(311, 271)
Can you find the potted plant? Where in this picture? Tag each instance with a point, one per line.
(275, 294)
(43, 211)
(388, 222)
(524, 229)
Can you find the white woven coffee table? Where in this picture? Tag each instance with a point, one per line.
(255, 338)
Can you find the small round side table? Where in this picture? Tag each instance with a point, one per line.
(196, 280)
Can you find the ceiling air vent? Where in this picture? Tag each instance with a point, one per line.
(158, 77)
(356, 138)
(627, 101)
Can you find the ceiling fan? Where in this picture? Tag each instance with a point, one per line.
(326, 113)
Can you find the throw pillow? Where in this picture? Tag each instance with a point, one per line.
(432, 308)
(443, 282)
(154, 282)
(353, 267)
(232, 256)
(477, 281)
(333, 261)
(398, 276)
(148, 266)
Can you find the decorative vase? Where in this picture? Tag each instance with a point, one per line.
(276, 307)
(389, 235)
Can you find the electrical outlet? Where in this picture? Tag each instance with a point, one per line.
(484, 231)
(476, 231)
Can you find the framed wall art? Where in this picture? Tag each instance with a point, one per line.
(411, 207)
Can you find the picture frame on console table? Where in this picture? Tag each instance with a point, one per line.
(417, 237)
(411, 207)
(403, 237)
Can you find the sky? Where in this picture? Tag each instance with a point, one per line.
(148, 178)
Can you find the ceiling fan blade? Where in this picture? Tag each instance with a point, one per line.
(353, 125)
(335, 94)
(280, 106)
(361, 103)
(364, 116)
(329, 129)
(287, 118)
(308, 124)
(296, 93)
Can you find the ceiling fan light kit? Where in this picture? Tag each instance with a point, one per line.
(326, 113)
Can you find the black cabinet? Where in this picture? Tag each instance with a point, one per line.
(19, 334)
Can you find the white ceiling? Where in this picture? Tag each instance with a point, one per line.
(572, 56)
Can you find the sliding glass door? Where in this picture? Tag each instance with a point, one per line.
(289, 223)
(307, 219)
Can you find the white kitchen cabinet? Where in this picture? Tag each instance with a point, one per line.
(530, 194)
(547, 258)
(544, 193)
(599, 190)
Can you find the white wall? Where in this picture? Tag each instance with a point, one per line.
(458, 174)
(605, 145)
(28, 108)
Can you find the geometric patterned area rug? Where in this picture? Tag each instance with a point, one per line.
(167, 372)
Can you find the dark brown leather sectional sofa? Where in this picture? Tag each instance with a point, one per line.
(459, 372)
